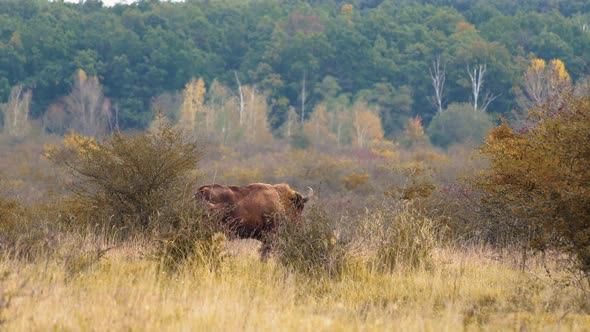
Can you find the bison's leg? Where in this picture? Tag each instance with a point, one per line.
(267, 237)
(265, 248)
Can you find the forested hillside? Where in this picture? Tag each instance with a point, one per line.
(385, 56)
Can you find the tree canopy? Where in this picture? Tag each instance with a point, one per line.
(379, 52)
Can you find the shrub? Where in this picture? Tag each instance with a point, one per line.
(539, 176)
(299, 141)
(399, 236)
(311, 246)
(355, 180)
(417, 183)
(459, 124)
(198, 239)
(125, 181)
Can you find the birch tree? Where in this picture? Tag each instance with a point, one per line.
(318, 125)
(477, 79)
(438, 75)
(290, 126)
(303, 100)
(192, 104)
(87, 107)
(221, 104)
(255, 124)
(367, 125)
(241, 94)
(543, 82)
(16, 112)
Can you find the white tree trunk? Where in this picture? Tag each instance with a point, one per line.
(241, 98)
(437, 74)
(303, 100)
(476, 82)
(16, 112)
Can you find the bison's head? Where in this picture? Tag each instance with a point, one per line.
(299, 200)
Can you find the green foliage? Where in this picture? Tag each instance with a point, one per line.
(539, 176)
(311, 246)
(128, 180)
(142, 50)
(300, 141)
(459, 124)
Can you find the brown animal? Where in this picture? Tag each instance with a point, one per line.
(255, 210)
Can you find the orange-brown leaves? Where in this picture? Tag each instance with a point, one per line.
(541, 174)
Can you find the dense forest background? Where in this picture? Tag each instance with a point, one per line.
(296, 55)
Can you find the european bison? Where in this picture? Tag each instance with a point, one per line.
(254, 211)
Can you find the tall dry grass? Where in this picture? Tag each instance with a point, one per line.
(95, 281)
(123, 290)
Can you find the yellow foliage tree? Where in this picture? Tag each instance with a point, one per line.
(544, 83)
(255, 118)
(318, 126)
(367, 125)
(541, 176)
(413, 130)
(221, 107)
(16, 112)
(194, 97)
(347, 10)
(87, 110)
(72, 144)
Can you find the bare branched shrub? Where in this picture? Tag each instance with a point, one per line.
(398, 236)
(128, 181)
(311, 246)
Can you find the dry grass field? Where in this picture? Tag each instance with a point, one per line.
(465, 289)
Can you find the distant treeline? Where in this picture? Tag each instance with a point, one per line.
(299, 53)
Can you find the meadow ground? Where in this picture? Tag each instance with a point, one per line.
(466, 289)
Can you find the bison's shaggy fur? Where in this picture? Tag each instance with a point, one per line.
(255, 210)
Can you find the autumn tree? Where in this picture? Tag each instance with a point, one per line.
(192, 104)
(367, 125)
(543, 82)
(414, 131)
(87, 111)
(221, 105)
(317, 128)
(16, 112)
(255, 124)
(291, 125)
(540, 176)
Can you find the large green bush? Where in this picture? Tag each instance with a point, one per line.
(459, 123)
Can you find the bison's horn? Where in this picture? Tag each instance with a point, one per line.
(309, 195)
